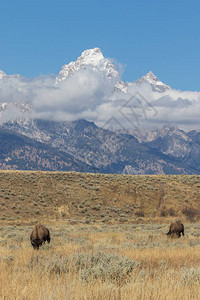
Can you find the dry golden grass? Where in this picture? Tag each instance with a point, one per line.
(91, 262)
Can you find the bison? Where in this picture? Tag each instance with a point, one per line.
(176, 228)
(39, 235)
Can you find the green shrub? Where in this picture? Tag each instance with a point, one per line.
(96, 207)
(96, 266)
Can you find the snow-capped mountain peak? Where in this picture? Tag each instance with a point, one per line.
(157, 85)
(2, 74)
(92, 58)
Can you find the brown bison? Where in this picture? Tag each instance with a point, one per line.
(176, 228)
(39, 235)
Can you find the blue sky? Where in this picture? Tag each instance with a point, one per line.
(38, 37)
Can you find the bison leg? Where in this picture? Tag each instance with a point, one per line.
(47, 239)
(35, 246)
(178, 234)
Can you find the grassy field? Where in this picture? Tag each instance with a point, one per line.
(108, 236)
(100, 262)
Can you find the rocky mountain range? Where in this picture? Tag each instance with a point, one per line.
(27, 142)
(82, 146)
(18, 152)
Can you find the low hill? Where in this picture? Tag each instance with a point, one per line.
(29, 197)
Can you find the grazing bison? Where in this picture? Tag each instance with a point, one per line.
(176, 228)
(39, 235)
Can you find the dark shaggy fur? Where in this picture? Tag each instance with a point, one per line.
(39, 235)
(176, 228)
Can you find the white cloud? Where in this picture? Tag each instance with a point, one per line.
(89, 94)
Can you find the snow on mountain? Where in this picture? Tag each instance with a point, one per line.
(3, 75)
(19, 112)
(95, 59)
(156, 84)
